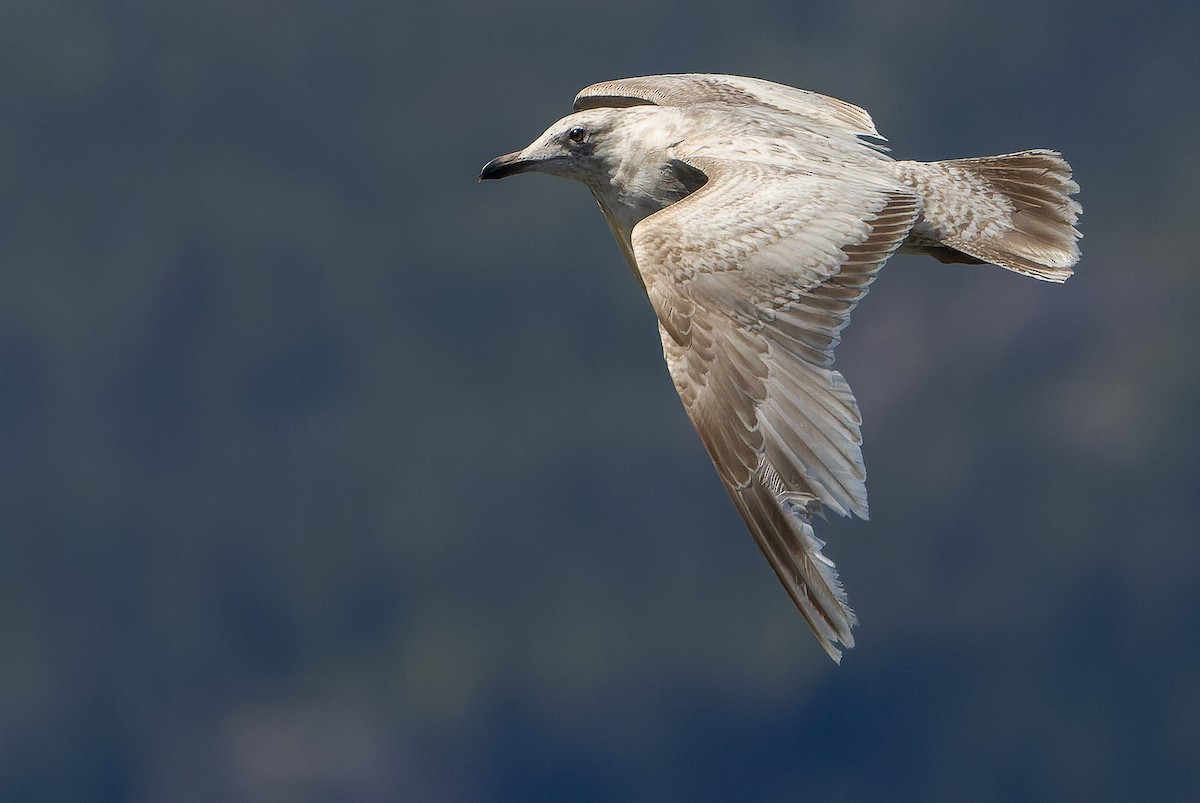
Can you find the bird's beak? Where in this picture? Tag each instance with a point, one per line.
(507, 165)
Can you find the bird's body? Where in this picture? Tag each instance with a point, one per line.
(756, 216)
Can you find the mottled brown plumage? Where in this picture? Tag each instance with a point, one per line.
(756, 216)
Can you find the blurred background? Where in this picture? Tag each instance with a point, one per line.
(327, 473)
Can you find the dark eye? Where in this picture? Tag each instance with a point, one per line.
(577, 134)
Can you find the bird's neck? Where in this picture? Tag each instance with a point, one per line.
(639, 189)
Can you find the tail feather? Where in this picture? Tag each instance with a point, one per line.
(1013, 210)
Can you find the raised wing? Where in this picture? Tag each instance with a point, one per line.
(820, 112)
(752, 278)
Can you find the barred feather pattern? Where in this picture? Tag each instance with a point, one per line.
(1013, 210)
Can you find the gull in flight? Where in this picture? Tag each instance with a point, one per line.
(756, 216)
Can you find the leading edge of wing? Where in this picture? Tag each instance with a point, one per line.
(693, 89)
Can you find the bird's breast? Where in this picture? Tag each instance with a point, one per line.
(641, 193)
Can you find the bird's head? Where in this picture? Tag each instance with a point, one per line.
(577, 147)
(591, 146)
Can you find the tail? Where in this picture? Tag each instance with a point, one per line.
(1013, 210)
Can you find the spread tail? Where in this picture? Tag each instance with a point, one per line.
(1013, 210)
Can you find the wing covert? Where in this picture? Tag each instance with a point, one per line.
(753, 278)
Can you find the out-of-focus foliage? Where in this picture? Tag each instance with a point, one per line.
(330, 474)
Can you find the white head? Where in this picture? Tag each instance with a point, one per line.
(594, 146)
(626, 156)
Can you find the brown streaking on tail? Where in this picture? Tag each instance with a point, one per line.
(1013, 210)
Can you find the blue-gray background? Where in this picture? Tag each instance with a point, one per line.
(327, 473)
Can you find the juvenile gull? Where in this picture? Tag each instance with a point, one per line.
(755, 216)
